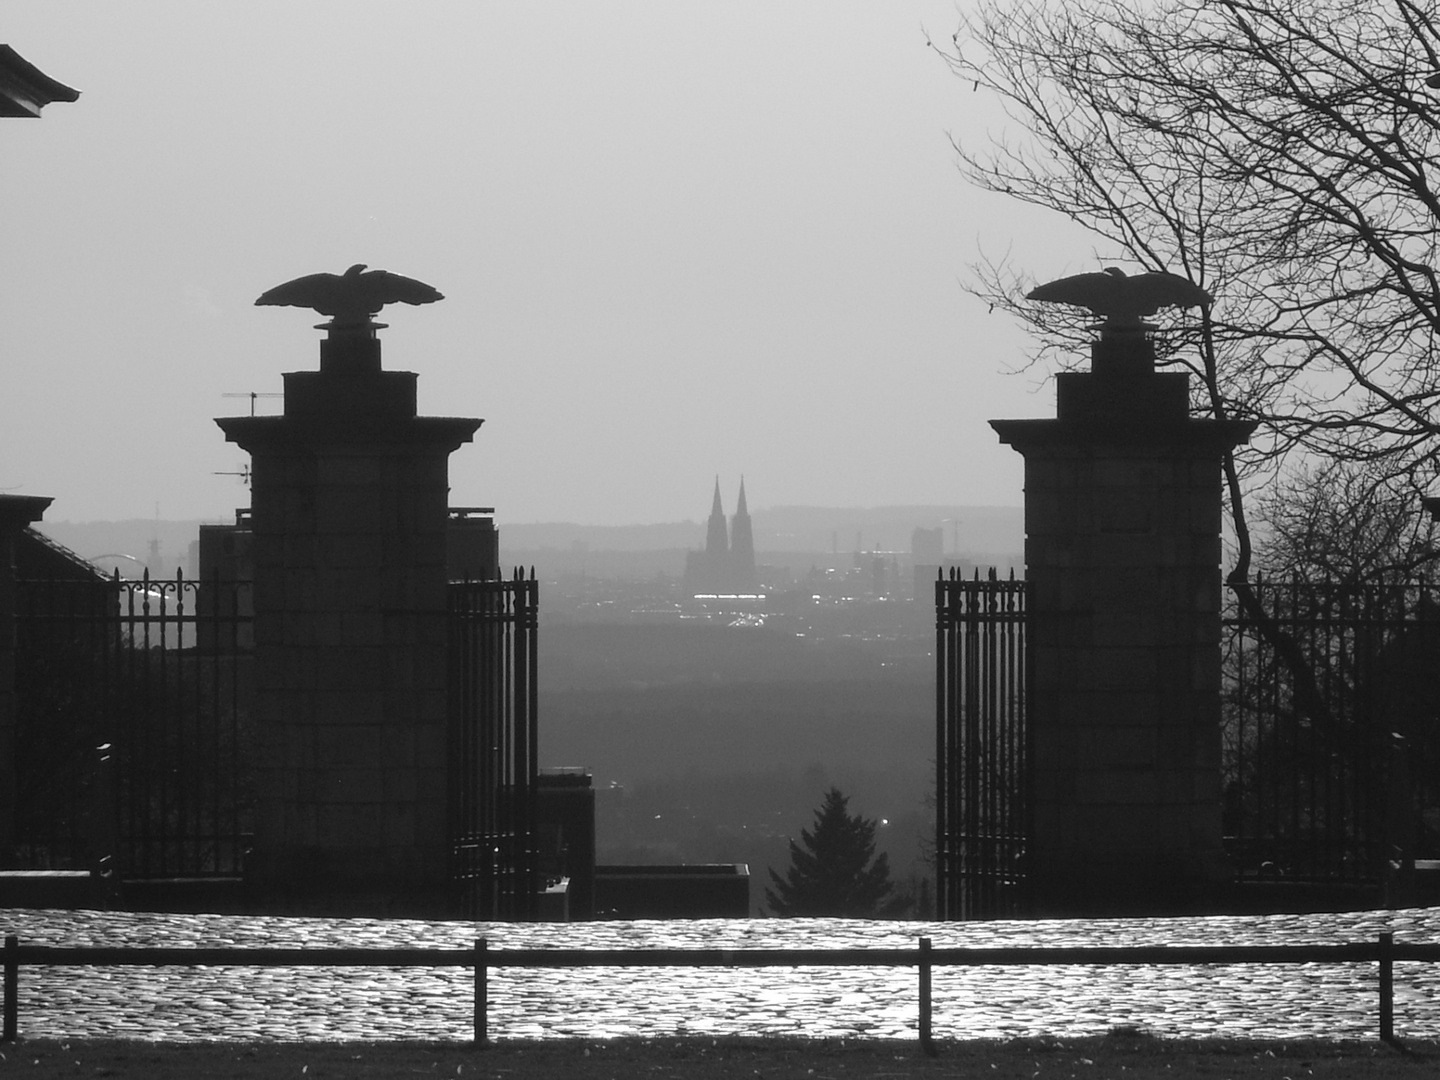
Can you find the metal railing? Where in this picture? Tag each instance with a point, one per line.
(493, 733)
(1330, 755)
(982, 746)
(132, 725)
(1328, 738)
(1384, 952)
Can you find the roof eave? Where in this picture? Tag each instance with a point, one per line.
(25, 89)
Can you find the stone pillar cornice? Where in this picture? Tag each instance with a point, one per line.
(1193, 435)
(261, 433)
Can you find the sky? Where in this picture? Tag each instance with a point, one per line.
(676, 240)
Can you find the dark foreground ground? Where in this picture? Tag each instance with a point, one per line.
(1125, 1056)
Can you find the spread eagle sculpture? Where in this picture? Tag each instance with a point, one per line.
(351, 298)
(1123, 300)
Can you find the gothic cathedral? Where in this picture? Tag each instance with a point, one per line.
(727, 565)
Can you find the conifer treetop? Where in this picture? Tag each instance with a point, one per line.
(834, 870)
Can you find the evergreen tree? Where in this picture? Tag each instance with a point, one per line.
(834, 871)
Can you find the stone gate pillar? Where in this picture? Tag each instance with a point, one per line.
(17, 512)
(349, 495)
(1122, 550)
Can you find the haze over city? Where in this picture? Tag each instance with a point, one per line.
(674, 241)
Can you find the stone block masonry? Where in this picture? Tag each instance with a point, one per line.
(1122, 549)
(349, 516)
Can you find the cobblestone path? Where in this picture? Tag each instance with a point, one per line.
(1271, 1001)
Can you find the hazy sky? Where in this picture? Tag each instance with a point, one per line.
(676, 239)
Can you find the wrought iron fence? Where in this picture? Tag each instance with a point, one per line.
(1330, 735)
(132, 726)
(1331, 730)
(982, 788)
(493, 735)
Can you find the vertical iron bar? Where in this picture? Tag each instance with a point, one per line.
(952, 781)
(488, 749)
(482, 993)
(238, 784)
(1302, 771)
(454, 759)
(498, 664)
(130, 754)
(942, 667)
(953, 760)
(984, 687)
(193, 673)
(470, 761)
(995, 752)
(996, 709)
(208, 660)
(157, 722)
(12, 989)
(994, 757)
(471, 737)
(971, 741)
(1268, 735)
(1347, 855)
(514, 734)
(491, 690)
(519, 814)
(532, 683)
(1012, 717)
(1332, 826)
(1387, 986)
(1282, 693)
(1028, 740)
(925, 1033)
(960, 687)
(1014, 732)
(191, 774)
(1237, 781)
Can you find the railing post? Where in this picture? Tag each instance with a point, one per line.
(12, 988)
(482, 993)
(925, 1042)
(1387, 986)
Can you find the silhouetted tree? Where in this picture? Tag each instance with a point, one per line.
(835, 871)
(1279, 153)
(1345, 523)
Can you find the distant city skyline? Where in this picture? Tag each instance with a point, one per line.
(981, 532)
(674, 240)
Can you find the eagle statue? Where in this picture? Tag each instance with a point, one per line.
(1123, 300)
(351, 298)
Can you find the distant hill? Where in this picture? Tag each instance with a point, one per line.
(634, 549)
(793, 528)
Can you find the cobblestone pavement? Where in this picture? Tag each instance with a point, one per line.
(1270, 1001)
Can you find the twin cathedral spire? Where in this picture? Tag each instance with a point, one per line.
(727, 564)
